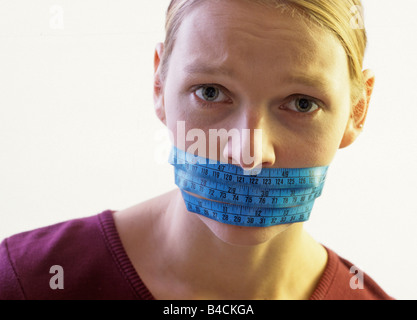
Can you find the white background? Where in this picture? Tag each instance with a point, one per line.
(78, 132)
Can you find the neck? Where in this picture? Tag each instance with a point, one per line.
(284, 267)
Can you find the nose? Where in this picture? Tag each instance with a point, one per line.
(253, 148)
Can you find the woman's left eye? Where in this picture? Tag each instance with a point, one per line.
(303, 105)
(210, 93)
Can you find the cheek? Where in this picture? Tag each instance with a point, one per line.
(314, 147)
(322, 149)
(177, 117)
(188, 124)
(328, 139)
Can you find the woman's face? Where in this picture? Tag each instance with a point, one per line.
(238, 65)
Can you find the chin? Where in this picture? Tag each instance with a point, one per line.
(243, 236)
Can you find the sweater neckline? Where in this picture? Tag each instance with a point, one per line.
(120, 257)
(125, 266)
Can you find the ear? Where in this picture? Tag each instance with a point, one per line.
(359, 111)
(158, 93)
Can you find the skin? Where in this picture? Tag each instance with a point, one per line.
(182, 255)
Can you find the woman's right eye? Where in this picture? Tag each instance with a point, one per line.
(210, 94)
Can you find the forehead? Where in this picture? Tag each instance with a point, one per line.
(235, 37)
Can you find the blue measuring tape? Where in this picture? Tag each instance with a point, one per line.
(270, 197)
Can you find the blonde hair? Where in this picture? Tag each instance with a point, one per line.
(336, 16)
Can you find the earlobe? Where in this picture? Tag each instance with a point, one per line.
(158, 94)
(359, 112)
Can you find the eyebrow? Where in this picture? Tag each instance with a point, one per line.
(315, 81)
(308, 80)
(205, 69)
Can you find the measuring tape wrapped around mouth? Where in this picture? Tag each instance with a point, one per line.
(229, 194)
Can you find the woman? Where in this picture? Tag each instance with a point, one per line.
(289, 70)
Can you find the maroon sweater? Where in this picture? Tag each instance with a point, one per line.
(94, 265)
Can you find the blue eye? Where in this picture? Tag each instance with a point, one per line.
(209, 93)
(303, 105)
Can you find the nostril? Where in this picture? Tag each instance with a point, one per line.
(250, 165)
(262, 155)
